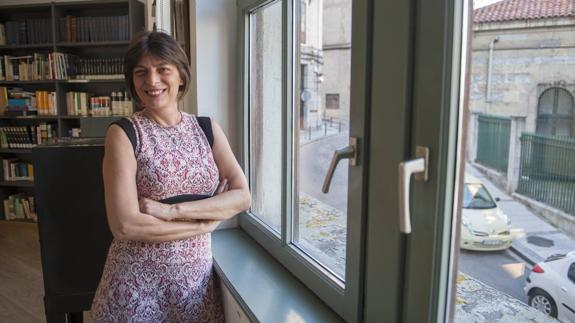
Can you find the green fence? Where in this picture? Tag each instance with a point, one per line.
(547, 172)
(493, 142)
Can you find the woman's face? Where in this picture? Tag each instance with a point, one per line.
(157, 83)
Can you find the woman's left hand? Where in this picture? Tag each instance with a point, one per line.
(159, 210)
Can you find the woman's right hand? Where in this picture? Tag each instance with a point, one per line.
(159, 210)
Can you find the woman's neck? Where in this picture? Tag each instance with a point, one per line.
(166, 118)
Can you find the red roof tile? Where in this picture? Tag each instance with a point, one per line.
(509, 10)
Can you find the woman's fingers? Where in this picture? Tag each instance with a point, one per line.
(222, 187)
(155, 208)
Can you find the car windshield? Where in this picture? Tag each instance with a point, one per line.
(475, 196)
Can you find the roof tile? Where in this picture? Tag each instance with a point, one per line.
(509, 10)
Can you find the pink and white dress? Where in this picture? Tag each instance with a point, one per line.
(167, 281)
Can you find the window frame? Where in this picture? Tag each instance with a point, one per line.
(551, 119)
(343, 300)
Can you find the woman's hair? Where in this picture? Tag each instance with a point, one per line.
(159, 45)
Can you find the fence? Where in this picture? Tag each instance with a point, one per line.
(493, 142)
(547, 170)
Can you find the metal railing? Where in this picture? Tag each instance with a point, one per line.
(493, 142)
(547, 170)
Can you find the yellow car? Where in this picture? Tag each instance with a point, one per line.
(484, 227)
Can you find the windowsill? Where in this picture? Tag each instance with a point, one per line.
(265, 290)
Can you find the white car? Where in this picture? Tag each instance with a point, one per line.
(550, 287)
(484, 227)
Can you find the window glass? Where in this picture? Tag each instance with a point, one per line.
(475, 196)
(322, 126)
(265, 114)
(530, 131)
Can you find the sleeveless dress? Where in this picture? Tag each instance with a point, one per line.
(168, 281)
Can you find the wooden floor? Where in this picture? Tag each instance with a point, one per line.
(21, 285)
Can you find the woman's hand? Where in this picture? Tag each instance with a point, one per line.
(222, 187)
(209, 225)
(160, 210)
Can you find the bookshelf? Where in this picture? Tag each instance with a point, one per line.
(67, 56)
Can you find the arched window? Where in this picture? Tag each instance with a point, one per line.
(555, 113)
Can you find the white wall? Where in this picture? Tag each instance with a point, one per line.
(216, 58)
(216, 33)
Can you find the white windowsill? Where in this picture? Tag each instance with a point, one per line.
(265, 290)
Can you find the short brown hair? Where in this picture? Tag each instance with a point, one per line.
(159, 45)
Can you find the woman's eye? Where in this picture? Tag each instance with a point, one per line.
(140, 72)
(164, 69)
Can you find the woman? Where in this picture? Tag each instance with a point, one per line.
(159, 170)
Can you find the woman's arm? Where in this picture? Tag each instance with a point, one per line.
(234, 199)
(124, 217)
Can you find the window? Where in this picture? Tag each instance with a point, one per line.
(571, 272)
(289, 142)
(555, 113)
(332, 101)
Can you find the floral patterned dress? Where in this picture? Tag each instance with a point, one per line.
(168, 281)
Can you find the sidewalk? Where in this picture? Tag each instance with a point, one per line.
(320, 131)
(535, 239)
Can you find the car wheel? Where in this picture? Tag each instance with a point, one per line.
(543, 302)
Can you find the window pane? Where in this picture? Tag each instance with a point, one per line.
(511, 243)
(320, 220)
(265, 108)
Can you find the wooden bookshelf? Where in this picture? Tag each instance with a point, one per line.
(17, 183)
(15, 151)
(90, 32)
(92, 44)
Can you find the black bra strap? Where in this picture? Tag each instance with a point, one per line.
(128, 128)
(206, 125)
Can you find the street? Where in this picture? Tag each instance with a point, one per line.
(502, 270)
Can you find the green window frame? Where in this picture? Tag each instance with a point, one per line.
(342, 298)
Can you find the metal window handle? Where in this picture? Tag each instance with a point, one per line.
(416, 166)
(347, 152)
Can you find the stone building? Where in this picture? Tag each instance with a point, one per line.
(325, 60)
(523, 67)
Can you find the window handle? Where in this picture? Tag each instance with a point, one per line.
(416, 166)
(347, 152)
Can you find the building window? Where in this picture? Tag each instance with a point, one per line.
(332, 101)
(555, 115)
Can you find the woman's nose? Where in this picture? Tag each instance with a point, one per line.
(153, 77)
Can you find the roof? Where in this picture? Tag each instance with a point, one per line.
(510, 10)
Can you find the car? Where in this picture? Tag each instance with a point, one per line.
(484, 227)
(550, 287)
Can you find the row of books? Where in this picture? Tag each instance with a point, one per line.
(15, 101)
(25, 137)
(27, 31)
(69, 67)
(59, 66)
(97, 68)
(83, 104)
(20, 207)
(24, 68)
(92, 29)
(17, 170)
